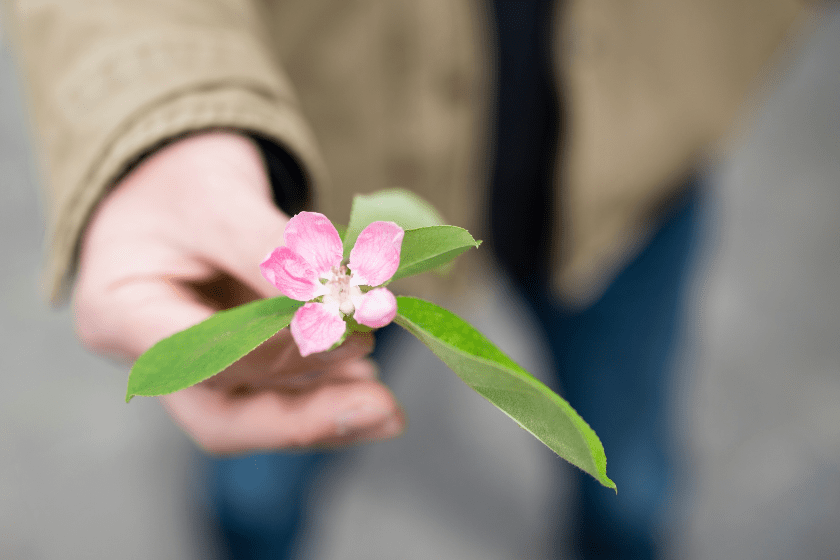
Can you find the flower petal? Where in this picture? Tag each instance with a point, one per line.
(376, 255)
(312, 236)
(376, 308)
(315, 329)
(292, 275)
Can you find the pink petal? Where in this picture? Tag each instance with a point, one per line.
(376, 255)
(315, 329)
(376, 308)
(312, 236)
(291, 274)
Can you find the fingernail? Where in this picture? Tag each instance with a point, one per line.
(360, 419)
(392, 427)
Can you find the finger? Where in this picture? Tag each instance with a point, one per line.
(352, 370)
(333, 414)
(387, 430)
(357, 346)
(278, 360)
(363, 369)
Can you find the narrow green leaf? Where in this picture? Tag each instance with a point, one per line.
(500, 380)
(205, 349)
(428, 248)
(400, 206)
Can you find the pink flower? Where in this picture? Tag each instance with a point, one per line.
(309, 268)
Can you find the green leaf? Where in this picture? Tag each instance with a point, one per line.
(431, 247)
(400, 206)
(500, 380)
(205, 349)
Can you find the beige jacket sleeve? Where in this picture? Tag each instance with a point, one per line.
(109, 80)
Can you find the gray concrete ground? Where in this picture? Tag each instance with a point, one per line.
(82, 475)
(764, 405)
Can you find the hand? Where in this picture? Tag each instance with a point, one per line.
(181, 237)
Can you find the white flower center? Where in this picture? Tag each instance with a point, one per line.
(341, 294)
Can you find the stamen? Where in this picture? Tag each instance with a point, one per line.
(340, 290)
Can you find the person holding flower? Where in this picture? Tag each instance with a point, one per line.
(181, 137)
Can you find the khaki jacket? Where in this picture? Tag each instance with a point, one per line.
(381, 93)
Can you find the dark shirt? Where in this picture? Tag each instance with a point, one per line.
(527, 129)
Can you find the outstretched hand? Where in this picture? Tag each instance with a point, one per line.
(181, 237)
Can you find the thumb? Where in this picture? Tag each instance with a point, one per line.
(247, 236)
(228, 205)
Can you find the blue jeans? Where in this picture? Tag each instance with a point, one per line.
(259, 502)
(613, 360)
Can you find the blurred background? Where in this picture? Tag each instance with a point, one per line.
(757, 411)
